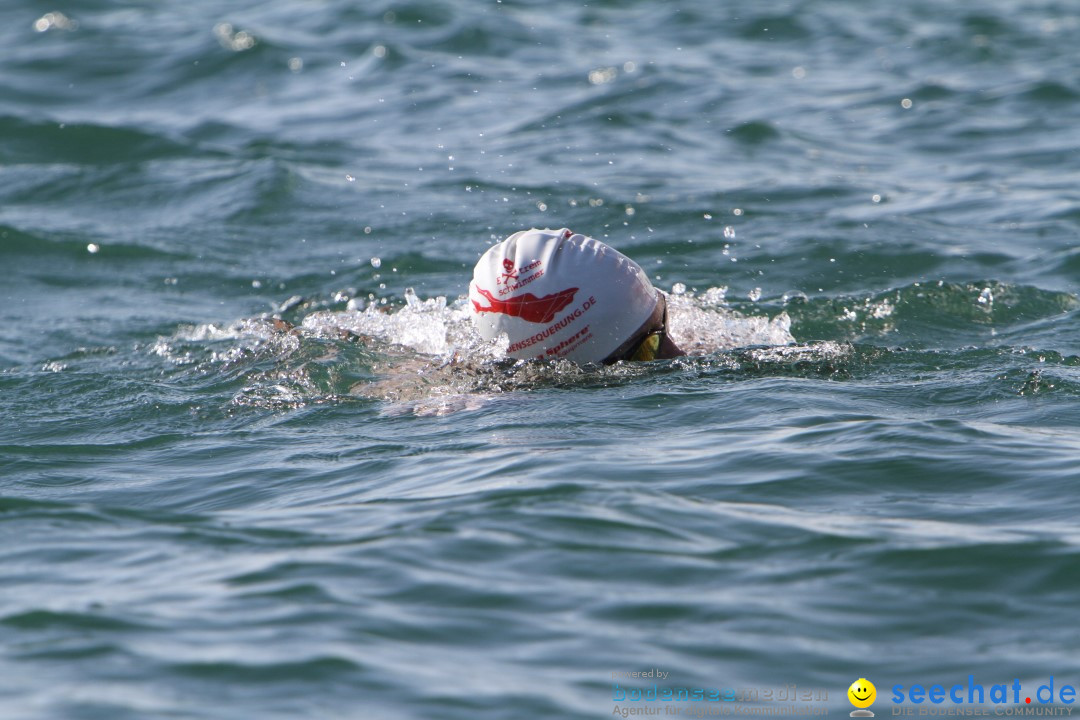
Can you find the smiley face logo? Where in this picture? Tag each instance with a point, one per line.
(862, 693)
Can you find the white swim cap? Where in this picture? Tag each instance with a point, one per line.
(559, 294)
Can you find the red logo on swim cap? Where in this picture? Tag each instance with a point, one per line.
(528, 306)
(508, 265)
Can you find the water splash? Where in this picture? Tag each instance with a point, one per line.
(216, 344)
(704, 324)
(701, 323)
(434, 361)
(430, 327)
(422, 357)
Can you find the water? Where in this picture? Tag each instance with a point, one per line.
(868, 212)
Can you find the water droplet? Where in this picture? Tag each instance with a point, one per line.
(678, 288)
(876, 198)
(906, 103)
(729, 232)
(376, 262)
(350, 178)
(754, 294)
(708, 216)
(237, 42)
(714, 296)
(296, 64)
(737, 211)
(92, 248)
(57, 20)
(602, 75)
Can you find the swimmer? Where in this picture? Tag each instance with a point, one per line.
(560, 294)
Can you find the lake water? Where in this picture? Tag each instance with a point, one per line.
(868, 216)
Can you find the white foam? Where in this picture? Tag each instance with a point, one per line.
(427, 326)
(704, 324)
(699, 324)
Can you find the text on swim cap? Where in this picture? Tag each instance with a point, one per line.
(508, 281)
(553, 328)
(570, 343)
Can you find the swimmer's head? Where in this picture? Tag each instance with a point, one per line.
(557, 294)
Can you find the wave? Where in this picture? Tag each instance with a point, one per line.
(937, 314)
(51, 142)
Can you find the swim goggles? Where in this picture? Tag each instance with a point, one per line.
(645, 346)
